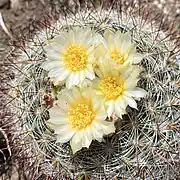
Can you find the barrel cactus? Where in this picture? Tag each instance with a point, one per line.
(144, 143)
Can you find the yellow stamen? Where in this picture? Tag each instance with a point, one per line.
(75, 57)
(111, 87)
(81, 116)
(117, 56)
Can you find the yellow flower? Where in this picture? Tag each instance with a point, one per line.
(79, 118)
(70, 56)
(116, 88)
(119, 48)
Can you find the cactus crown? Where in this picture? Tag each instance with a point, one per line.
(146, 140)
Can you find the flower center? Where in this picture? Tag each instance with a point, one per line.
(81, 116)
(75, 57)
(111, 87)
(117, 56)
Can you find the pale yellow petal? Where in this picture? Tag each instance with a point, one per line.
(121, 102)
(48, 65)
(137, 57)
(56, 71)
(69, 81)
(130, 83)
(90, 72)
(56, 111)
(108, 127)
(57, 120)
(81, 76)
(110, 105)
(76, 141)
(131, 102)
(136, 92)
(119, 111)
(61, 129)
(76, 93)
(87, 138)
(65, 137)
(63, 74)
(97, 132)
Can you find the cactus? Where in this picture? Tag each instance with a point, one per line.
(145, 144)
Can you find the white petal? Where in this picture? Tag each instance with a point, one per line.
(53, 47)
(71, 37)
(86, 83)
(65, 137)
(136, 92)
(56, 83)
(56, 111)
(118, 37)
(120, 106)
(121, 102)
(98, 72)
(123, 41)
(100, 109)
(87, 138)
(54, 55)
(68, 97)
(56, 71)
(90, 52)
(119, 111)
(97, 39)
(61, 129)
(137, 57)
(131, 102)
(76, 141)
(57, 120)
(61, 39)
(48, 65)
(130, 73)
(110, 108)
(130, 83)
(97, 132)
(105, 67)
(69, 81)
(65, 99)
(90, 73)
(109, 36)
(100, 51)
(63, 105)
(95, 83)
(62, 75)
(86, 35)
(134, 73)
(50, 49)
(108, 127)
(97, 104)
(75, 79)
(82, 76)
(76, 93)
(101, 116)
